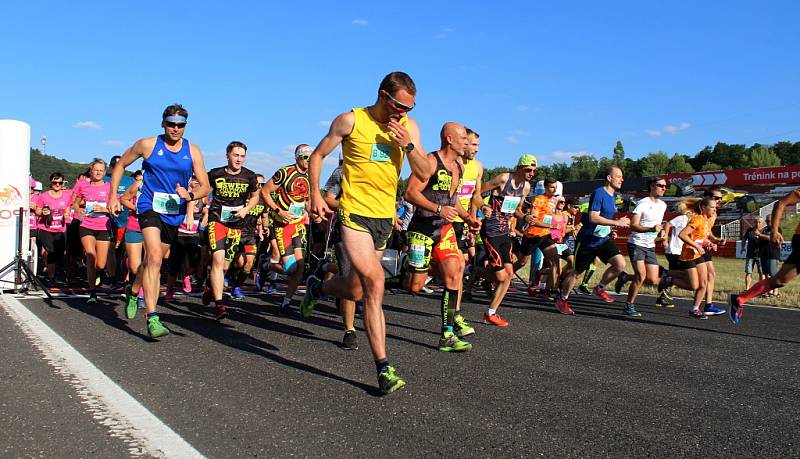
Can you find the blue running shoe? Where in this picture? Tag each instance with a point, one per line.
(631, 311)
(737, 309)
(237, 294)
(713, 310)
(258, 282)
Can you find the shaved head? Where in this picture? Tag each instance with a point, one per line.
(451, 131)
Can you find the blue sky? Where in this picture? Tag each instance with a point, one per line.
(530, 77)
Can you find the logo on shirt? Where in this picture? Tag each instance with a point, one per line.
(160, 152)
(185, 157)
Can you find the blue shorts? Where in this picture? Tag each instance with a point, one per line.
(133, 237)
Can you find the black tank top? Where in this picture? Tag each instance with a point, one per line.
(497, 223)
(439, 190)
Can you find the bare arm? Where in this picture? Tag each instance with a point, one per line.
(136, 151)
(417, 158)
(686, 237)
(413, 193)
(341, 127)
(790, 199)
(126, 198)
(199, 169)
(477, 202)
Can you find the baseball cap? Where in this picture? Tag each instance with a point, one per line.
(527, 160)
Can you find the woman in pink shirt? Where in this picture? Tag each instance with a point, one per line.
(51, 208)
(95, 229)
(133, 235)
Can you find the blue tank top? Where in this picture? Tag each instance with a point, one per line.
(162, 171)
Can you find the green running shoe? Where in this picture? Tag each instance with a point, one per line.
(462, 327)
(389, 382)
(131, 305)
(155, 328)
(449, 342)
(309, 301)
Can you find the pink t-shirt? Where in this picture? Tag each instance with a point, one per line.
(133, 219)
(95, 196)
(59, 209)
(559, 226)
(31, 215)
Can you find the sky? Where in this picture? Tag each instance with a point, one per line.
(530, 77)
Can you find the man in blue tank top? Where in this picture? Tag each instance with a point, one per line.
(169, 161)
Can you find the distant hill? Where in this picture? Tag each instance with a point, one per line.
(44, 165)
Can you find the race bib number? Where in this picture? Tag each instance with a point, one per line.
(91, 206)
(297, 209)
(510, 204)
(560, 248)
(381, 153)
(227, 212)
(166, 203)
(602, 230)
(416, 255)
(547, 220)
(466, 189)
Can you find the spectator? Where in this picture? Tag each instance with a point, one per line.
(769, 254)
(752, 248)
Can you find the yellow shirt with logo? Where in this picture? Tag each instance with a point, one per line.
(467, 186)
(371, 167)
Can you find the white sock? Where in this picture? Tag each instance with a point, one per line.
(491, 311)
(273, 276)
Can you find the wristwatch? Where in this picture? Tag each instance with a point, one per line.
(409, 148)
(191, 196)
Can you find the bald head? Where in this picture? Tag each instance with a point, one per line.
(454, 136)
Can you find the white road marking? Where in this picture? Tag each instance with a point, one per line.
(106, 402)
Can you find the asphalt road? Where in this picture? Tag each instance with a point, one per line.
(593, 384)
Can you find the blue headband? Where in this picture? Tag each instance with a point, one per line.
(175, 118)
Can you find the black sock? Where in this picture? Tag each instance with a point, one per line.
(449, 301)
(381, 365)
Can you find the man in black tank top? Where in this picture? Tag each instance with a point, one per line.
(431, 237)
(508, 191)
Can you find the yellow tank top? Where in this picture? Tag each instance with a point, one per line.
(372, 163)
(467, 187)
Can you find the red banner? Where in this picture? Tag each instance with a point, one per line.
(742, 177)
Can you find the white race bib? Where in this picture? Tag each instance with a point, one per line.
(466, 189)
(91, 206)
(510, 204)
(602, 230)
(297, 209)
(416, 255)
(227, 212)
(547, 220)
(166, 203)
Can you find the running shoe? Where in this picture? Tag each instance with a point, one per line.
(532, 291)
(462, 327)
(563, 307)
(664, 301)
(208, 296)
(170, 295)
(92, 298)
(713, 310)
(630, 311)
(449, 342)
(350, 341)
(130, 303)
(696, 312)
(426, 289)
(584, 288)
(140, 302)
(602, 294)
(621, 280)
(272, 289)
(220, 312)
(388, 381)
(737, 309)
(309, 300)
(187, 284)
(664, 283)
(494, 319)
(155, 328)
(237, 294)
(257, 281)
(97, 281)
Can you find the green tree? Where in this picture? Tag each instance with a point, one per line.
(679, 164)
(619, 153)
(655, 163)
(584, 167)
(788, 152)
(761, 156)
(44, 165)
(710, 167)
(489, 174)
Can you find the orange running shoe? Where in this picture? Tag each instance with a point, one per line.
(494, 319)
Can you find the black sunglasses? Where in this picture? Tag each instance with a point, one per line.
(399, 105)
(170, 124)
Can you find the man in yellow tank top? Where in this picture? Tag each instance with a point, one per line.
(374, 140)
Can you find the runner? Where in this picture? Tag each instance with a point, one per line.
(235, 191)
(538, 233)
(431, 238)
(168, 163)
(51, 208)
(95, 229)
(375, 140)
(248, 249)
(119, 224)
(646, 226)
(507, 191)
(133, 232)
(289, 185)
(695, 243)
(711, 309)
(788, 270)
(185, 252)
(595, 241)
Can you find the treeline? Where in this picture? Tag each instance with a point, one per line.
(43, 165)
(721, 156)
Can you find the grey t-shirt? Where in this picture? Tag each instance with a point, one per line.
(334, 183)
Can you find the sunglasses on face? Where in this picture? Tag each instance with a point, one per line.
(56, 182)
(170, 124)
(661, 185)
(718, 198)
(529, 170)
(399, 105)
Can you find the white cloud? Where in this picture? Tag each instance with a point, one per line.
(566, 155)
(86, 125)
(325, 123)
(652, 132)
(522, 108)
(520, 133)
(512, 139)
(113, 143)
(361, 22)
(445, 32)
(668, 129)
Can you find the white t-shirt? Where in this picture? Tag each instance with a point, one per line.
(652, 214)
(675, 243)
